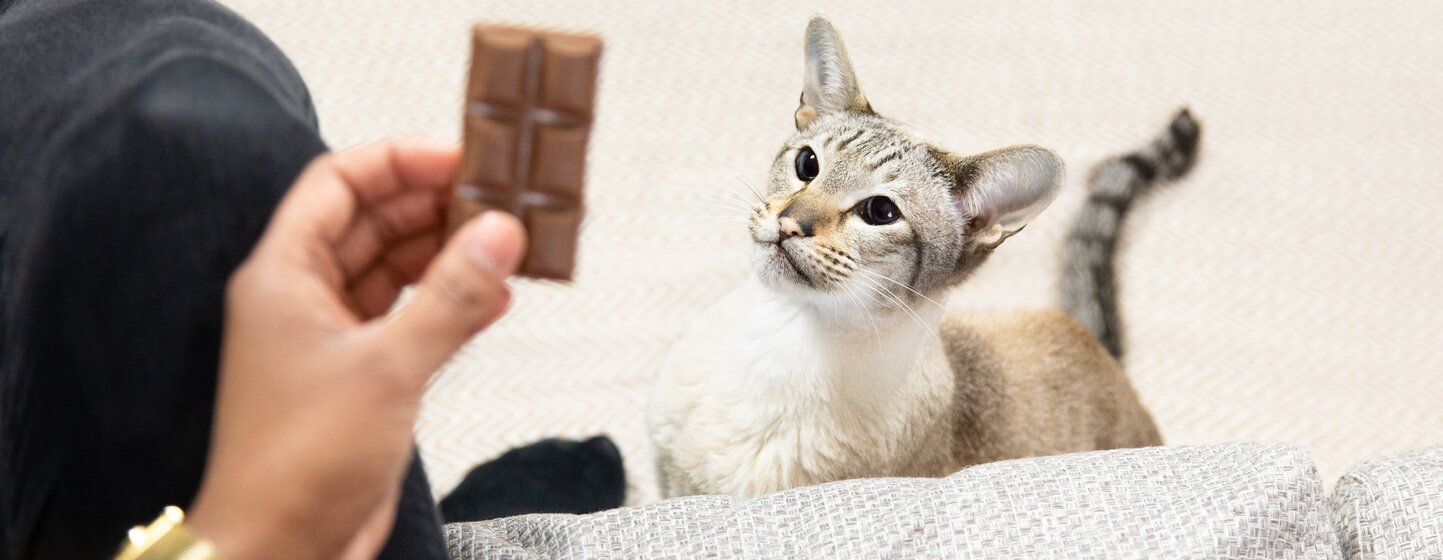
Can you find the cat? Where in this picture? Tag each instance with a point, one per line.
(835, 361)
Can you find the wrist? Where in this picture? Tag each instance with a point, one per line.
(169, 537)
(242, 531)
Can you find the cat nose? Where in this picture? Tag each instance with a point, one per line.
(791, 227)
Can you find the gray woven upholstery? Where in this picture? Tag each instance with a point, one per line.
(1235, 501)
(1392, 507)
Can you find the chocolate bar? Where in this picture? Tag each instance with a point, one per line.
(529, 107)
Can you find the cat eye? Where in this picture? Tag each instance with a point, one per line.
(878, 211)
(807, 165)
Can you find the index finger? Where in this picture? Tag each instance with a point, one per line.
(326, 197)
(329, 194)
(378, 171)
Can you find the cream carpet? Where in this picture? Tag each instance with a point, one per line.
(1288, 290)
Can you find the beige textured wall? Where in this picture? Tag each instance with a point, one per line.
(1287, 291)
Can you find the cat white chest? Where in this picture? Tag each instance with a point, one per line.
(759, 397)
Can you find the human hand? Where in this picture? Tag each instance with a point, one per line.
(319, 389)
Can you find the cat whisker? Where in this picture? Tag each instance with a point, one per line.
(717, 204)
(733, 195)
(834, 257)
(749, 187)
(726, 195)
(905, 307)
(832, 274)
(876, 296)
(840, 255)
(838, 275)
(876, 333)
(852, 264)
(760, 198)
(908, 288)
(732, 219)
(716, 197)
(727, 218)
(880, 296)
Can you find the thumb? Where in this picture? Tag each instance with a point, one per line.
(461, 293)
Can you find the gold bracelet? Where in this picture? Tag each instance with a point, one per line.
(167, 538)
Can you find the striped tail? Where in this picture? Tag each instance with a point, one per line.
(1089, 290)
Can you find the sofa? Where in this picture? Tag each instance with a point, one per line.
(1246, 501)
(1279, 293)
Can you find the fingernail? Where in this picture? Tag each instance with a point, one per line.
(493, 243)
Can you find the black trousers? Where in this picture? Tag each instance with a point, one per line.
(143, 147)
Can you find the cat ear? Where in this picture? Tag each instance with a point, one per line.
(1002, 190)
(830, 84)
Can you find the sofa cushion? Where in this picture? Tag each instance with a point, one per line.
(1392, 507)
(1234, 500)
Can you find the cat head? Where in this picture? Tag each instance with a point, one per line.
(857, 202)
